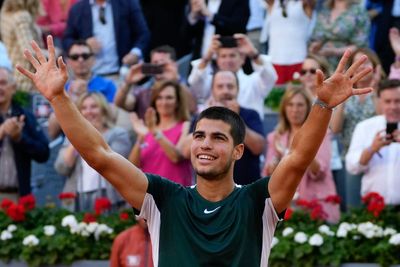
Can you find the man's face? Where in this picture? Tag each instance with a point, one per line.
(224, 87)
(80, 60)
(213, 150)
(160, 58)
(390, 104)
(229, 59)
(6, 89)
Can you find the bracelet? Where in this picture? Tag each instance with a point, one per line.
(322, 104)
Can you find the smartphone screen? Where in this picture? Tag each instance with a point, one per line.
(391, 127)
(152, 69)
(228, 41)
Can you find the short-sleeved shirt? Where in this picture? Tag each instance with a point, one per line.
(189, 231)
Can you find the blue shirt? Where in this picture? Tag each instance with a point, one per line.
(101, 85)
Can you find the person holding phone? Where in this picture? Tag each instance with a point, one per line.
(162, 67)
(375, 146)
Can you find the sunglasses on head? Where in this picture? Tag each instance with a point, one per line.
(311, 71)
(84, 56)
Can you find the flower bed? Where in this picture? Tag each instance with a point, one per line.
(48, 236)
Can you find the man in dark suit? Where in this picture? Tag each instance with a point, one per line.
(114, 29)
(208, 17)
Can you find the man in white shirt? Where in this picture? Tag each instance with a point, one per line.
(374, 152)
(253, 88)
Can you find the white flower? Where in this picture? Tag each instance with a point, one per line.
(395, 240)
(344, 228)
(324, 229)
(300, 237)
(370, 230)
(69, 221)
(5, 235)
(389, 231)
(274, 242)
(49, 230)
(102, 229)
(82, 229)
(11, 228)
(30, 241)
(91, 228)
(316, 240)
(287, 231)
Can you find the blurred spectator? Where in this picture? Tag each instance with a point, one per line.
(289, 27)
(253, 88)
(115, 30)
(340, 25)
(374, 152)
(317, 183)
(360, 107)
(161, 135)
(80, 60)
(132, 97)
(225, 90)
(206, 18)
(308, 70)
(82, 178)
(18, 29)
(132, 247)
(374, 9)
(394, 37)
(164, 19)
(255, 23)
(54, 20)
(21, 141)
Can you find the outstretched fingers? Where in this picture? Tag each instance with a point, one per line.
(39, 55)
(51, 49)
(341, 67)
(25, 72)
(28, 55)
(362, 91)
(62, 66)
(354, 67)
(358, 76)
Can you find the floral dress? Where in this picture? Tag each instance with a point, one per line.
(354, 112)
(349, 28)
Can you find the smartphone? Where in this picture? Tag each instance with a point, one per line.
(391, 127)
(228, 41)
(152, 69)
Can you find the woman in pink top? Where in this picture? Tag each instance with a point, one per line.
(317, 183)
(161, 135)
(55, 18)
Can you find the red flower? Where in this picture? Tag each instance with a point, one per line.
(303, 203)
(16, 212)
(124, 216)
(66, 195)
(89, 217)
(375, 203)
(318, 213)
(101, 205)
(334, 199)
(6, 203)
(28, 202)
(288, 214)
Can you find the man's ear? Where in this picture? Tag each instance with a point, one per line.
(238, 151)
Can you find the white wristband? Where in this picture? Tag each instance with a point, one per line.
(322, 104)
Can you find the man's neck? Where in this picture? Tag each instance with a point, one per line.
(85, 77)
(215, 190)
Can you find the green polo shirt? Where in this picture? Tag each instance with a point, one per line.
(189, 231)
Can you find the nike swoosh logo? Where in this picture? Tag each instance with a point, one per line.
(206, 211)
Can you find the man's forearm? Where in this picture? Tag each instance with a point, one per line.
(82, 135)
(309, 138)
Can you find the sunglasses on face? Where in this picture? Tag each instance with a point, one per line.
(84, 56)
(311, 71)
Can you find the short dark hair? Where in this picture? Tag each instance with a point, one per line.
(164, 49)
(79, 42)
(238, 128)
(388, 84)
(217, 71)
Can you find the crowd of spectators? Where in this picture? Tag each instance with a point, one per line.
(131, 56)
